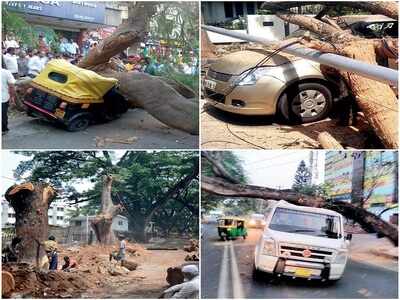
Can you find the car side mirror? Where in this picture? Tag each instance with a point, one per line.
(349, 236)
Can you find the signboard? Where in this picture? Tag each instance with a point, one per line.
(91, 12)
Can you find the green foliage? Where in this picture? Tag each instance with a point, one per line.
(13, 23)
(234, 167)
(27, 34)
(302, 178)
(141, 182)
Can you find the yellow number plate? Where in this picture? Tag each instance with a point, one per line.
(301, 272)
(60, 113)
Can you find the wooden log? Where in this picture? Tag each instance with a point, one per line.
(327, 141)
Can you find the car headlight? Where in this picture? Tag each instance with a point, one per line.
(250, 77)
(340, 257)
(269, 247)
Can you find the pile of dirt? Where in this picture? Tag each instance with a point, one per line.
(33, 283)
(94, 262)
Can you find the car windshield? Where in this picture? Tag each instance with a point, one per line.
(296, 221)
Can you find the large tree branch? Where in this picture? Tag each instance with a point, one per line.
(368, 221)
(218, 167)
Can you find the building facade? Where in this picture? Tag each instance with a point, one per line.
(57, 214)
(363, 176)
(80, 229)
(69, 19)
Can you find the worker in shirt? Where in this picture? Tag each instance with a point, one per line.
(69, 263)
(189, 289)
(51, 247)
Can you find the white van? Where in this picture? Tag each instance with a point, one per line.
(302, 242)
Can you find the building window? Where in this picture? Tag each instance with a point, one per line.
(78, 223)
(239, 9)
(11, 215)
(60, 208)
(60, 217)
(50, 217)
(228, 10)
(120, 223)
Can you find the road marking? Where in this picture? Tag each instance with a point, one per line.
(236, 282)
(223, 275)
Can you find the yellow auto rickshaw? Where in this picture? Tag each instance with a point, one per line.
(231, 228)
(73, 96)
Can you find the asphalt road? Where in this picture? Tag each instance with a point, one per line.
(226, 269)
(139, 129)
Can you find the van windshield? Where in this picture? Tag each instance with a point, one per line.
(296, 221)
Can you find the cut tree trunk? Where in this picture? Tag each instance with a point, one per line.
(377, 100)
(101, 224)
(31, 202)
(368, 221)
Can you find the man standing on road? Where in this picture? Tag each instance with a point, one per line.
(189, 289)
(7, 94)
(10, 59)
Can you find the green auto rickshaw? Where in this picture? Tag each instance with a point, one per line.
(229, 228)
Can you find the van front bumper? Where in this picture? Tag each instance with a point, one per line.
(288, 267)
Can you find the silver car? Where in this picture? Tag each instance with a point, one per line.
(247, 83)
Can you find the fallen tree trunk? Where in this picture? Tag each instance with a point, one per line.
(31, 202)
(368, 221)
(161, 100)
(166, 103)
(377, 100)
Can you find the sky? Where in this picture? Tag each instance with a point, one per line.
(276, 168)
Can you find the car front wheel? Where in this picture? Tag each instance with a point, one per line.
(305, 102)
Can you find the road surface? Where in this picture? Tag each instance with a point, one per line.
(226, 269)
(144, 131)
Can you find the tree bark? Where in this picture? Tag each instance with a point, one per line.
(31, 202)
(101, 224)
(157, 97)
(368, 221)
(377, 100)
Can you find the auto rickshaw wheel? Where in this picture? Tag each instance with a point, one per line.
(222, 238)
(79, 123)
(245, 236)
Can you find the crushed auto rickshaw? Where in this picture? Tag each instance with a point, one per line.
(74, 97)
(231, 228)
